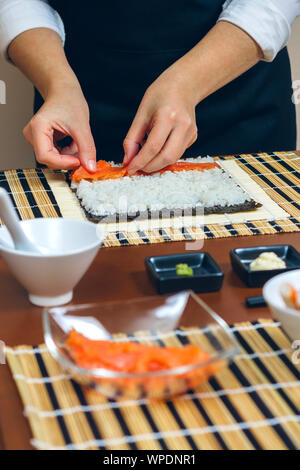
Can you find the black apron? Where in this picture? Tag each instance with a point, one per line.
(117, 48)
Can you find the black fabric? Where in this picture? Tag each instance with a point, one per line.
(117, 49)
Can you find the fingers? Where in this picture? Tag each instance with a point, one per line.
(171, 134)
(86, 148)
(178, 141)
(39, 134)
(156, 139)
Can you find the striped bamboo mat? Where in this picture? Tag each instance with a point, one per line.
(252, 404)
(276, 173)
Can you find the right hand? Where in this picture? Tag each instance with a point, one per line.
(64, 113)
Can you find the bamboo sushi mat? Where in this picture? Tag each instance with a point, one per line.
(272, 178)
(252, 404)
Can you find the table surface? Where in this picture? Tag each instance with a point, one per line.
(117, 273)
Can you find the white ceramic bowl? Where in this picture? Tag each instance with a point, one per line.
(288, 317)
(50, 279)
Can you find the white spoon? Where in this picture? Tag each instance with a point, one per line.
(11, 220)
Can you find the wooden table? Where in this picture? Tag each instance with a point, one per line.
(117, 273)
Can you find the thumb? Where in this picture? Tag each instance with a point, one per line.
(135, 137)
(86, 148)
(131, 149)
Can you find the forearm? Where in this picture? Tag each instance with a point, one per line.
(39, 54)
(221, 56)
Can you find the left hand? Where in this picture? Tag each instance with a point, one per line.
(166, 119)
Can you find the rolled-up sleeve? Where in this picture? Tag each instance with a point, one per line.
(268, 22)
(17, 16)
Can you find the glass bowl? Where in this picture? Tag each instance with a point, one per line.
(175, 320)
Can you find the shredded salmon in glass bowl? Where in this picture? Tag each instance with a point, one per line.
(155, 347)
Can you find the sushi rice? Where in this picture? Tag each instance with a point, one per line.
(170, 190)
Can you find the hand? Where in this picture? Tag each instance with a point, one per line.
(64, 113)
(166, 118)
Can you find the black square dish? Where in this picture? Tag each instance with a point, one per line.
(242, 257)
(207, 277)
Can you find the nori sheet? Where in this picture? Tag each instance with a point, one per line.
(166, 213)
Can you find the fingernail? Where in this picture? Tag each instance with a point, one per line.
(125, 159)
(91, 165)
(132, 171)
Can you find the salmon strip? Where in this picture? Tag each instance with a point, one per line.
(82, 174)
(106, 171)
(113, 173)
(188, 166)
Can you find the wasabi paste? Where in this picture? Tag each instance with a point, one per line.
(184, 270)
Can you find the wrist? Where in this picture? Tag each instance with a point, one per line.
(58, 84)
(185, 80)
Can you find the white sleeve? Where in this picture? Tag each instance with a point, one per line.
(268, 22)
(17, 16)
